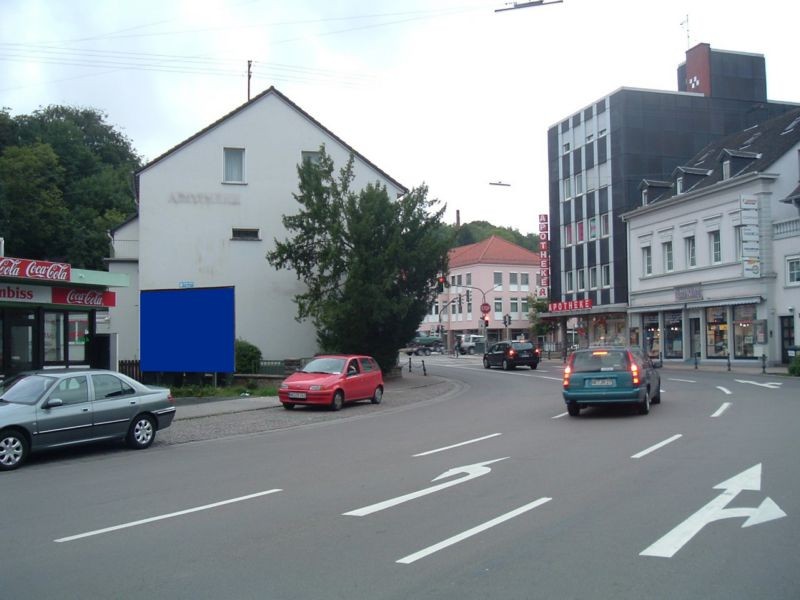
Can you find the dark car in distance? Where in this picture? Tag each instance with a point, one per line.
(511, 353)
(610, 375)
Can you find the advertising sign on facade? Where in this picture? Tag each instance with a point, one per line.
(34, 269)
(79, 297)
(544, 256)
(570, 305)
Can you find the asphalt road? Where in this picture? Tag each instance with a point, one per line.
(483, 490)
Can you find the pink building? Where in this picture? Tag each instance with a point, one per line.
(494, 272)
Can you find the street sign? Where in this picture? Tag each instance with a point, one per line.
(485, 308)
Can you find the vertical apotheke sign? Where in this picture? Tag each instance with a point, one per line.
(544, 256)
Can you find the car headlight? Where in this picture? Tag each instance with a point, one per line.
(315, 388)
(284, 385)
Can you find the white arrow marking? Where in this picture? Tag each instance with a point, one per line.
(667, 546)
(471, 472)
(773, 385)
(726, 390)
(721, 409)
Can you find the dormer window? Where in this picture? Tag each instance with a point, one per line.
(644, 197)
(679, 185)
(726, 169)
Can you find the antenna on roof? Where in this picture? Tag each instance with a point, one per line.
(685, 25)
(249, 74)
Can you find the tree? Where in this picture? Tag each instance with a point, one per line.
(370, 263)
(536, 313)
(477, 231)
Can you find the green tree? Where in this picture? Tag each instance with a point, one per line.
(370, 263)
(477, 231)
(536, 312)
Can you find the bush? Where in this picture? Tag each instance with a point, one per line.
(248, 357)
(794, 366)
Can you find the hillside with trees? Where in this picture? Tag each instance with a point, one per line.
(477, 231)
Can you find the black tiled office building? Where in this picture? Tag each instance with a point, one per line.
(598, 157)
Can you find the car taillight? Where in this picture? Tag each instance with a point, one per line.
(567, 372)
(511, 353)
(635, 373)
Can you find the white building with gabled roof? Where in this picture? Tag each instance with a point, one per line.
(209, 211)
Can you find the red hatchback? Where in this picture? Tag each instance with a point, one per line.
(332, 380)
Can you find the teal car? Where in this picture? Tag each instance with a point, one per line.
(610, 375)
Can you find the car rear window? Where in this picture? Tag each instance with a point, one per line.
(600, 360)
(522, 345)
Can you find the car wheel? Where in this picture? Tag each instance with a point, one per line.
(506, 365)
(13, 449)
(657, 397)
(338, 400)
(471, 350)
(427, 351)
(288, 405)
(377, 396)
(486, 364)
(573, 409)
(141, 433)
(534, 365)
(644, 405)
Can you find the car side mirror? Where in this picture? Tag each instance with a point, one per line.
(54, 402)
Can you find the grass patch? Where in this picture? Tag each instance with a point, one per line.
(208, 391)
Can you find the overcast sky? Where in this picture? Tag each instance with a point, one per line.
(443, 92)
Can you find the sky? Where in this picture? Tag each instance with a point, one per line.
(446, 93)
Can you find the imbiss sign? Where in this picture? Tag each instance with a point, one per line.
(40, 270)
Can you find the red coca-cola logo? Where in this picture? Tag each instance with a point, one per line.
(34, 269)
(79, 297)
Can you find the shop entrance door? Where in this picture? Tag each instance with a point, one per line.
(19, 341)
(787, 338)
(694, 337)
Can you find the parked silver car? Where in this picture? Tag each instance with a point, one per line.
(62, 407)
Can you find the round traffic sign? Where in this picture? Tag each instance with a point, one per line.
(485, 308)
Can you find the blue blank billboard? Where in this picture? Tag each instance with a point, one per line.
(188, 330)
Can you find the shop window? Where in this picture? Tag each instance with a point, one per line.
(652, 335)
(744, 331)
(78, 327)
(717, 332)
(54, 348)
(673, 334)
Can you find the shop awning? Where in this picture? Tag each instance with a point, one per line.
(697, 304)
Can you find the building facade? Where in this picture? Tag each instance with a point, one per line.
(209, 211)
(496, 274)
(598, 157)
(715, 256)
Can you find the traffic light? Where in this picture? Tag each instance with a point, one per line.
(440, 283)
(486, 321)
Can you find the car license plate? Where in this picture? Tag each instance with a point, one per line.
(601, 382)
(297, 395)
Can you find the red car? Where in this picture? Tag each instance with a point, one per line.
(332, 380)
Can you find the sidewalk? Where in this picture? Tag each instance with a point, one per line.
(709, 366)
(194, 408)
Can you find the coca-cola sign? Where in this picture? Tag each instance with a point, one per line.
(81, 297)
(26, 268)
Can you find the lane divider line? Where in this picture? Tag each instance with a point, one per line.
(647, 451)
(721, 409)
(726, 390)
(480, 439)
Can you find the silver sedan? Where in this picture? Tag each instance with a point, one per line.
(64, 407)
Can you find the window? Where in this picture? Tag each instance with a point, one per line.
(581, 279)
(580, 232)
(570, 285)
(679, 185)
(54, 337)
(593, 278)
(793, 270)
(498, 308)
(568, 234)
(691, 257)
(726, 169)
(647, 261)
(567, 188)
(458, 280)
(468, 278)
(245, 234)
(73, 390)
(601, 133)
(513, 284)
(524, 282)
(78, 327)
(606, 276)
(644, 197)
(110, 386)
(514, 306)
(234, 165)
(523, 306)
(590, 137)
(715, 247)
(498, 281)
(566, 147)
(579, 183)
(737, 234)
(604, 230)
(592, 228)
(666, 250)
(311, 156)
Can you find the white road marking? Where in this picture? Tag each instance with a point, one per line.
(721, 409)
(726, 390)
(471, 472)
(480, 439)
(162, 517)
(773, 385)
(657, 446)
(559, 416)
(407, 560)
(669, 544)
(553, 378)
(683, 380)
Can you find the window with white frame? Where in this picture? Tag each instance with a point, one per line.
(524, 282)
(569, 283)
(498, 308)
(567, 187)
(691, 252)
(566, 147)
(568, 234)
(647, 261)
(513, 282)
(514, 306)
(468, 278)
(581, 279)
(793, 270)
(578, 183)
(593, 278)
(604, 228)
(715, 247)
(580, 237)
(644, 197)
(592, 228)
(606, 276)
(498, 281)
(679, 185)
(312, 156)
(523, 307)
(233, 168)
(458, 280)
(666, 253)
(726, 169)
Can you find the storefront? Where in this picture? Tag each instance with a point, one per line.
(52, 315)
